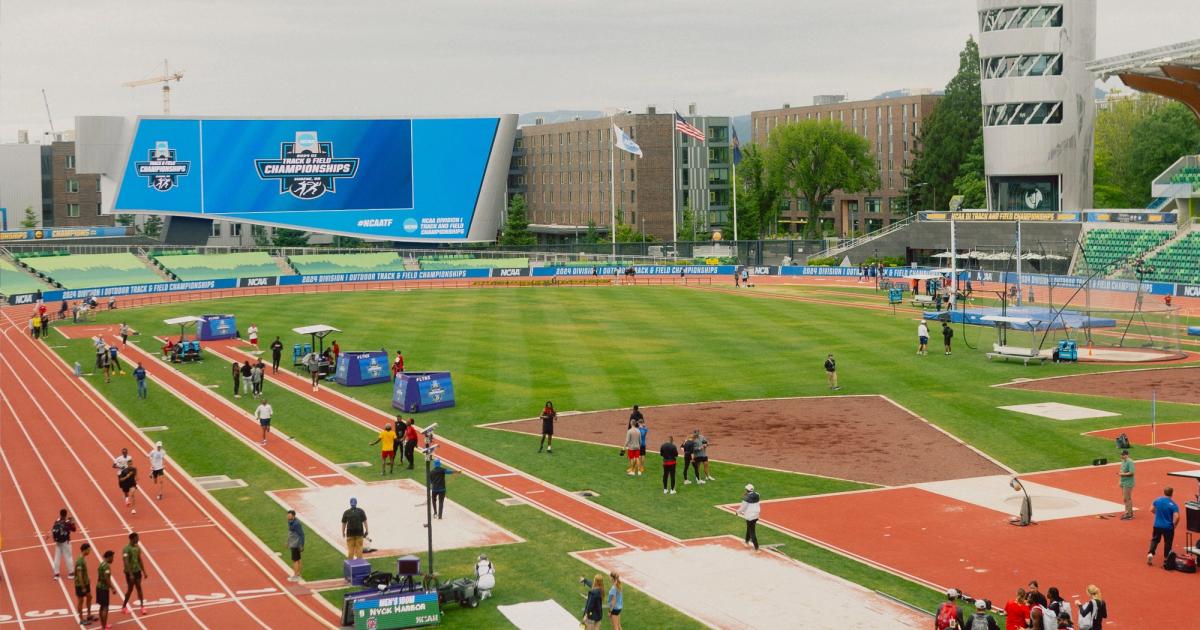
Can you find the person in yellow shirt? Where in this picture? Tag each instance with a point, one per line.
(387, 447)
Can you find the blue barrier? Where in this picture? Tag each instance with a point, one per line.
(641, 270)
(1194, 331)
(384, 276)
(138, 289)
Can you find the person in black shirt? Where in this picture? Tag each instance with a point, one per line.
(947, 335)
(354, 529)
(635, 416)
(237, 379)
(549, 415)
(831, 372)
(437, 487)
(669, 453)
(276, 354)
(689, 446)
(593, 610)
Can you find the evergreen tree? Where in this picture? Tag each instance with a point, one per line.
(289, 238)
(153, 226)
(946, 137)
(758, 195)
(971, 183)
(30, 220)
(516, 227)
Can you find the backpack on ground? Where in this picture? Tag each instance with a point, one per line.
(946, 615)
(59, 532)
(1183, 564)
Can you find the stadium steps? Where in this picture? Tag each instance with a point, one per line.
(411, 263)
(285, 268)
(15, 278)
(158, 269)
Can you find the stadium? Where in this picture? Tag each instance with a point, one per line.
(418, 430)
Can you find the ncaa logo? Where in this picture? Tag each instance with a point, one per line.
(760, 271)
(1191, 291)
(257, 282)
(306, 167)
(509, 273)
(23, 299)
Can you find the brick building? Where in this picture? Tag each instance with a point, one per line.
(890, 125)
(68, 198)
(562, 169)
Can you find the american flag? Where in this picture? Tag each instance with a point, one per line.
(687, 129)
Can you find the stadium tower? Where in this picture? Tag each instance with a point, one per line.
(1038, 102)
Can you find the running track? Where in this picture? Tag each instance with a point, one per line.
(59, 435)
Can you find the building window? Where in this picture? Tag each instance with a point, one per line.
(73, 210)
(258, 231)
(216, 228)
(1022, 66)
(718, 134)
(683, 177)
(1045, 113)
(99, 207)
(718, 177)
(633, 196)
(873, 204)
(72, 185)
(684, 161)
(632, 175)
(70, 161)
(1044, 16)
(718, 197)
(235, 229)
(718, 155)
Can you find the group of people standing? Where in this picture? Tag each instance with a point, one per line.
(248, 377)
(389, 438)
(79, 573)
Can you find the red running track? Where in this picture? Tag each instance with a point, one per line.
(606, 524)
(58, 437)
(1176, 436)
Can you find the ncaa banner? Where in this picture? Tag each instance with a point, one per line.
(411, 179)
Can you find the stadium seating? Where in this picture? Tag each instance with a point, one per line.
(13, 281)
(468, 262)
(311, 264)
(1187, 175)
(82, 271)
(1178, 261)
(1103, 248)
(211, 266)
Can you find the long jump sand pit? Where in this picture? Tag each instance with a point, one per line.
(860, 438)
(1179, 385)
(725, 585)
(395, 516)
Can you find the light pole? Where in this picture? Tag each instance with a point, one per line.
(878, 268)
(430, 447)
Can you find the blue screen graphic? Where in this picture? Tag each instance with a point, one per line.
(414, 179)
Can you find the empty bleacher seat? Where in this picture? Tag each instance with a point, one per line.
(314, 264)
(83, 271)
(14, 281)
(214, 266)
(1178, 261)
(1104, 249)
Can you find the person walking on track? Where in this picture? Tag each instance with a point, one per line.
(437, 487)
(60, 533)
(237, 379)
(263, 414)
(247, 372)
(104, 587)
(83, 586)
(831, 372)
(387, 449)
(139, 375)
(131, 556)
(749, 510)
(548, 418)
(312, 361)
(123, 331)
(127, 481)
(669, 453)
(1166, 517)
(1125, 474)
(922, 338)
(410, 440)
(256, 378)
(252, 334)
(157, 474)
(276, 354)
(295, 543)
(354, 529)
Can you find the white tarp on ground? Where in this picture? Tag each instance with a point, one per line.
(724, 585)
(994, 493)
(395, 517)
(1059, 411)
(546, 615)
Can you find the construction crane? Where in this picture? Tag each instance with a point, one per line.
(46, 101)
(165, 79)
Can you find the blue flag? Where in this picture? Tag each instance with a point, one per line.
(625, 143)
(736, 146)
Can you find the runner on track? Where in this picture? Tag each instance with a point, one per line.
(127, 480)
(131, 555)
(157, 474)
(276, 354)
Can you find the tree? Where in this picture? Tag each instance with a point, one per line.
(758, 195)
(971, 183)
(126, 220)
(592, 235)
(260, 236)
(31, 219)
(153, 226)
(516, 227)
(812, 158)
(947, 136)
(628, 232)
(687, 225)
(289, 238)
(1136, 139)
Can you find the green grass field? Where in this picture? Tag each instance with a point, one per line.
(589, 348)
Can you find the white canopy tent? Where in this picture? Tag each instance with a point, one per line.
(318, 333)
(183, 322)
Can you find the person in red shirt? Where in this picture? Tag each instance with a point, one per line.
(1016, 612)
(397, 365)
(410, 440)
(336, 351)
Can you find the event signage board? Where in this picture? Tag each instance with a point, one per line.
(262, 281)
(40, 234)
(412, 179)
(1132, 217)
(422, 391)
(646, 270)
(396, 611)
(385, 276)
(1007, 215)
(139, 289)
(1187, 290)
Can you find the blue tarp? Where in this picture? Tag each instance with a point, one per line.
(1043, 318)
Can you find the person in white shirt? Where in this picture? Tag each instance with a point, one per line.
(252, 333)
(156, 467)
(122, 461)
(263, 413)
(749, 510)
(923, 338)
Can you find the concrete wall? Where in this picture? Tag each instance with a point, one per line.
(21, 182)
(1049, 238)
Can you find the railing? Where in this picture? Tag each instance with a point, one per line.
(866, 238)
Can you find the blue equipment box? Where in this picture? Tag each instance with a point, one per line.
(355, 571)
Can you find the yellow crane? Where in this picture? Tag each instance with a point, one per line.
(165, 79)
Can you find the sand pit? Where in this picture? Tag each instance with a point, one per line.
(725, 585)
(395, 516)
(1179, 385)
(861, 438)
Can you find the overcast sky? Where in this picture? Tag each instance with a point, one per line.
(394, 57)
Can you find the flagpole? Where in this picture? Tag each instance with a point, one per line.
(735, 187)
(612, 182)
(674, 191)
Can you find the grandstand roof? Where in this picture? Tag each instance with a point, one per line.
(1171, 71)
